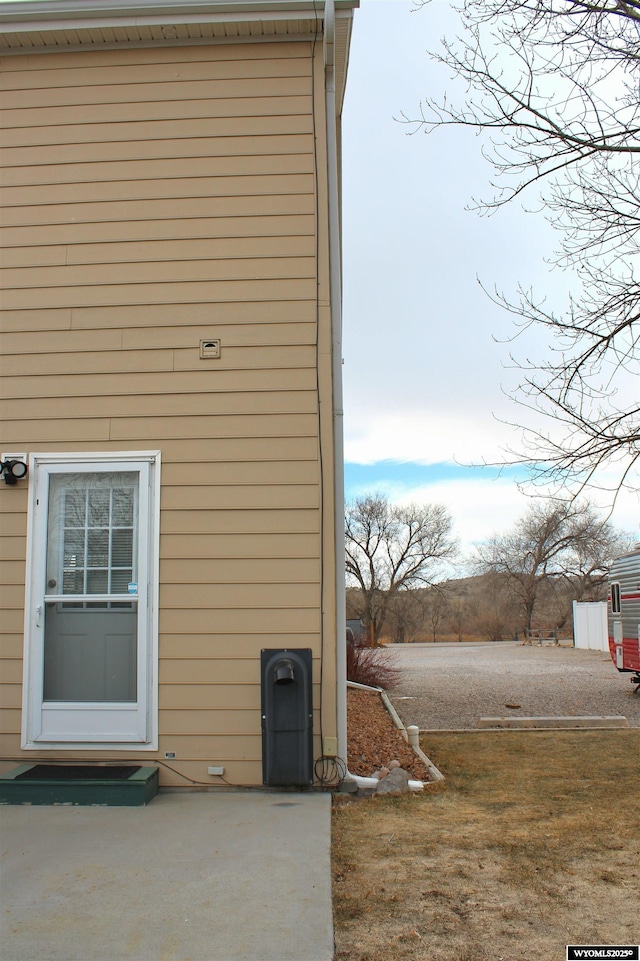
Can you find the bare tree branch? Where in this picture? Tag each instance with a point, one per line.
(553, 88)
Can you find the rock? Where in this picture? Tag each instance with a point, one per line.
(393, 764)
(396, 782)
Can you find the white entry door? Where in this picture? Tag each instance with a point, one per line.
(90, 662)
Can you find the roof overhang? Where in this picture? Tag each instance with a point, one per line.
(46, 26)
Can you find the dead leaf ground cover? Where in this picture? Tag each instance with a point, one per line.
(531, 844)
(374, 740)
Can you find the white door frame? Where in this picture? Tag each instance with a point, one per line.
(137, 730)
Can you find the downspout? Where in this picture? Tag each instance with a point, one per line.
(335, 286)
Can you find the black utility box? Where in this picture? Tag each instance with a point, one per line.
(287, 717)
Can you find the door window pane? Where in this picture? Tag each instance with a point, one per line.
(121, 548)
(97, 582)
(75, 503)
(99, 503)
(98, 550)
(92, 533)
(123, 504)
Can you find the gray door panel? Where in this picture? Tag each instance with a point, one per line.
(90, 654)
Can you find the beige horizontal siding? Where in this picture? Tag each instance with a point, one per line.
(154, 198)
(258, 496)
(61, 69)
(194, 771)
(154, 316)
(228, 596)
(249, 125)
(243, 473)
(11, 672)
(12, 570)
(196, 80)
(159, 273)
(218, 645)
(133, 295)
(285, 622)
(226, 697)
(271, 102)
(176, 723)
(223, 747)
(12, 634)
(273, 521)
(82, 157)
(102, 194)
(209, 722)
(228, 201)
(10, 720)
(188, 572)
(302, 401)
(232, 336)
(213, 670)
(80, 362)
(227, 251)
(21, 183)
(228, 548)
(12, 694)
(36, 385)
(74, 237)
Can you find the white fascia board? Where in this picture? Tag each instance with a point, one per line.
(76, 13)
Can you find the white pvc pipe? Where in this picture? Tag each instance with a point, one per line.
(413, 733)
(371, 783)
(365, 782)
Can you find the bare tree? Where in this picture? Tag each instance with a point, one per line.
(461, 607)
(390, 549)
(553, 87)
(555, 539)
(405, 615)
(498, 613)
(438, 606)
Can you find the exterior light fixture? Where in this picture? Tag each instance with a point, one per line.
(13, 471)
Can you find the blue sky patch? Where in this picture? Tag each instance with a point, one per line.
(387, 474)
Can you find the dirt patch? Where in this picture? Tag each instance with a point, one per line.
(530, 844)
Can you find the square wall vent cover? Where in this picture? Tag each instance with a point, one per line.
(210, 348)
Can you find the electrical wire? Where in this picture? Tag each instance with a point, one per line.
(329, 770)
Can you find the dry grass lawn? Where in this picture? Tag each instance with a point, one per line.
(531, 844)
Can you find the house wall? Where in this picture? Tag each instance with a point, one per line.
(154, 197)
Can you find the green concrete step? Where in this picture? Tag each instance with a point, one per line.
(81, 784)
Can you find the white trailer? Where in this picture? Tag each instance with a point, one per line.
(624, 613)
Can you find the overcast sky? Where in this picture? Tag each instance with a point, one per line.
(426, 357)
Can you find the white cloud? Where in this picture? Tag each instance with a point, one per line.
(427, 436)
(479, 508)
(482, 507)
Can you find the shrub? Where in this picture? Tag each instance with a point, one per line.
(374, 666)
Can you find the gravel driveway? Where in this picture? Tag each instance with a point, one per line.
(450, 686)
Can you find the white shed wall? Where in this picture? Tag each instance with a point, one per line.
(590, 625)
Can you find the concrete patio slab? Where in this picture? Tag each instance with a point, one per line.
(192, 877)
